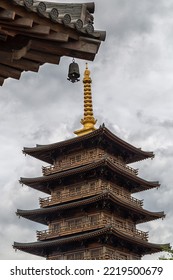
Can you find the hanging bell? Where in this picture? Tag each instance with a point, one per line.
(73, 72)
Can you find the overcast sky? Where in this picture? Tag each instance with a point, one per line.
(132, 94)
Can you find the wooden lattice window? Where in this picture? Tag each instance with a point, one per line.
(56, 227)
(74, 223)
(95, 253)
(91, 186)
(75, 190)
(75, 256)
(94, 219)
(78, 158)
(72, 160)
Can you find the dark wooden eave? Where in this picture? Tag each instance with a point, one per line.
(42, 248)
(103, 168)
(137, 214)
(36, 32)
(101, 137)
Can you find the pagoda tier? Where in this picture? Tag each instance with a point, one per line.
(101, 138)
(127, 208)
(104, 168)
(106, 243)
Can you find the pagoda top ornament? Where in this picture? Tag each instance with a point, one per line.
(88, 121)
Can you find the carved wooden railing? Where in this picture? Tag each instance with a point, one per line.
(86, 159)
(85, 226)
(86, 192)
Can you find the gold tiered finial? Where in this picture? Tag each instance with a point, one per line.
(88, 121)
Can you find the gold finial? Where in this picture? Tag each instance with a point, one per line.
(88, 121)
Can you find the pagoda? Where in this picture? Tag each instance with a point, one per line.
(90, 212)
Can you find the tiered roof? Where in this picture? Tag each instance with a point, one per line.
(36, 32)
(138, 214)
(101, 137)
(112, 236)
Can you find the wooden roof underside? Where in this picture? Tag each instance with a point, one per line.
(36, 32)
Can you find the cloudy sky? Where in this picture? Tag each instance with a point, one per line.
(132, 94)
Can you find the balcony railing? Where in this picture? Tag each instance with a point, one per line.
(86, 192)
(85, 226)
(86, 159)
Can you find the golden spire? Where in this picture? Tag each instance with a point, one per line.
(88, 121)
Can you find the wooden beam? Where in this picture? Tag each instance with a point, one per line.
(54, 36)
(7, 14)
(7, 71)
(8, 55)
(37, 29)
(1, 81)
(18, 54)
(81, 46)
(20, 22)
(23, 64)
(54, 48)
(42, 57)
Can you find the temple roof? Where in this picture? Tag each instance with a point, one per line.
(42, 248)
(101, 168)
(36, 32)
(102, 137)
(43, 215)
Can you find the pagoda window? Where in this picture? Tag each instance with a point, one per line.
(75, 256)
(75, 190)
(95, 253)
(58, 193)
(78, 158)
(91, 186)
(56, 227)
(59, 163)
(72, 160)
(91, 154)
(74, 223)
(93, 219)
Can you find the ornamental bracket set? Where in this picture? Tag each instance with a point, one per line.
(36, 32)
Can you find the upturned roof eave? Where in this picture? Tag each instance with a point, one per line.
(40, 245)
(38, 182)
(35, 214)
(102, 131)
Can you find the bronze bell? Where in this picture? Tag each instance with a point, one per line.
(73, 72)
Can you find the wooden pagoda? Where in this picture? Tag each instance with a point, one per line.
(90, 212)
(33, 33)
